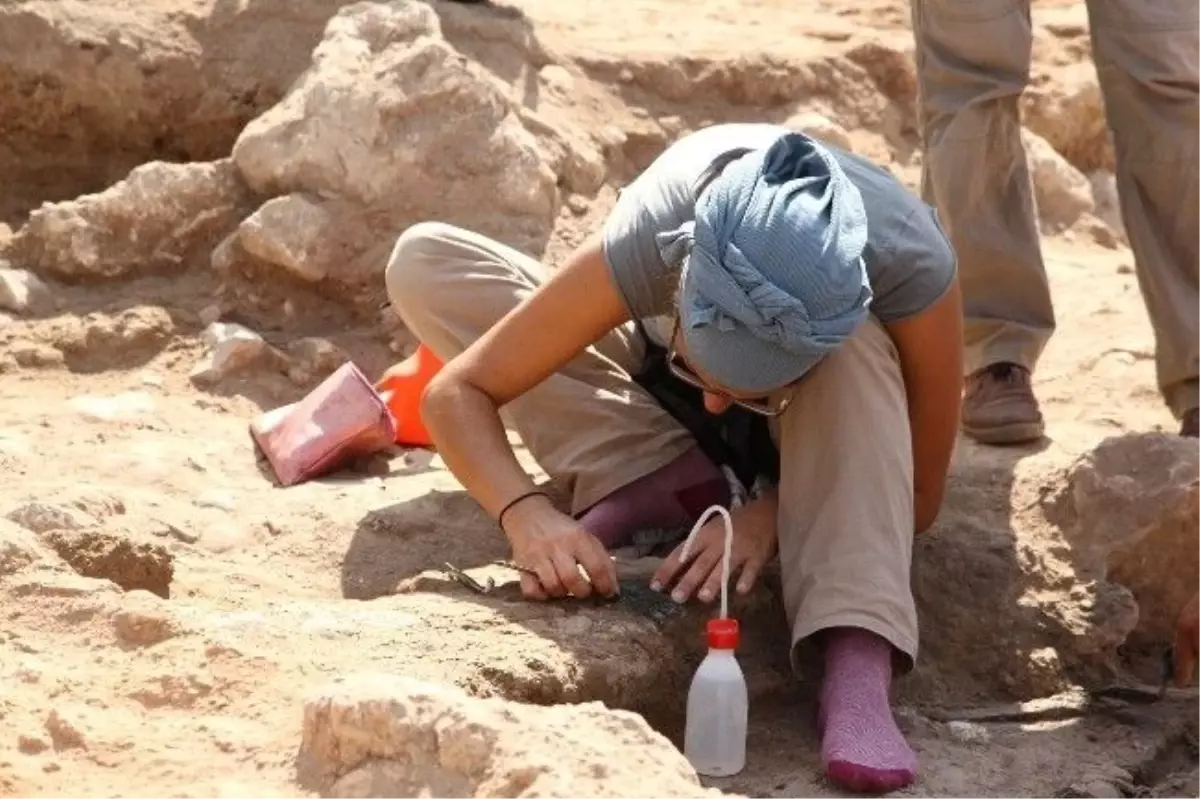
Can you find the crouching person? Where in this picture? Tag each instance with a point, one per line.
(793, 288)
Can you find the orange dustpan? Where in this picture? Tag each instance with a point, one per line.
(401, 387)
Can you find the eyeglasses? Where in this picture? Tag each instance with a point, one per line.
(682, 373)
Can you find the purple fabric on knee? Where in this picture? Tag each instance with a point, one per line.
(861, 746)
(673, 496)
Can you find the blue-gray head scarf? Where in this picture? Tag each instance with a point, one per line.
(773, 277)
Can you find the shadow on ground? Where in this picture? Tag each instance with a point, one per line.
(981, 641)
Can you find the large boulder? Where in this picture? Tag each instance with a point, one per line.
(1069, 113)
(386, 735)
(390, 126)
(1006, 607)
(1130, 510)
(161, 218)
(90, 90)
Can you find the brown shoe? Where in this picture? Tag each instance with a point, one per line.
(999, 406)
(1190, 425)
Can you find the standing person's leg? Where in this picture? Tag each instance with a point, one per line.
(628, 463)
(973, 61)
(1146, 58)
(845, 550)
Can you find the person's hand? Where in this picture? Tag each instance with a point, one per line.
(552, 546)
(754, 543)
(1187, 642)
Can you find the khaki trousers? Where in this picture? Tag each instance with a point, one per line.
(846, 493)
(973, 62)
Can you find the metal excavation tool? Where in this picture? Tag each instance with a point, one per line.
(635, 593)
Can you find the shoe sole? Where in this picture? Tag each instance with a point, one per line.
(1008, 434)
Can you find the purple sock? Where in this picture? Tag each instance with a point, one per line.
(673, 496)
(861, 746)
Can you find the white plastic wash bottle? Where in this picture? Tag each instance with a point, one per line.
(714, 740)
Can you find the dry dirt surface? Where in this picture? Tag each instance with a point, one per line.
(197, 198)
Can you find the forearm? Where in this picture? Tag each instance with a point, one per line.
(933, 440)
(466, 428)
(930, 348)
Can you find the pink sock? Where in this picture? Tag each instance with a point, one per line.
(673, 496)
(861, 746)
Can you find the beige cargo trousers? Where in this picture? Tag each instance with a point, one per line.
(973, 62)
(846, 488)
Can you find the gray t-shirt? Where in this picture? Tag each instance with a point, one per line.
(909, 261)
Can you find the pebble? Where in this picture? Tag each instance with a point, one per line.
(31, 744)
(63, 733)
(1098, 789)
(578, 205)
(36, 355)
(314, 357)
(166, 529)
(231, 347)
(210, 314)
(22, 291)
(144, 619)
(557, 77)
(968, 732)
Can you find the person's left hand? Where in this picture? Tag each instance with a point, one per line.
(754, 543)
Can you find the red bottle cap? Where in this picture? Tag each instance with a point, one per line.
(722, 634)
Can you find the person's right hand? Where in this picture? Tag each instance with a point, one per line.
(1187, 642)
(552, 546)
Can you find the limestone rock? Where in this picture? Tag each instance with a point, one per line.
(144, 619)
(291, 232)
(157, 219)
(101, 340)
(893, 71)
(1107, 201)
(1069, 113)
(22, 291)
(313, 358)
(117, 556)
(390, 126)
(19, 547)
(1063, 193)
(1032, 578)
(64, 733)
(1132, 508)
(42, 517)
(117, 85)
(822, 128)
(387, 735)
(231, 348)
(968, 732)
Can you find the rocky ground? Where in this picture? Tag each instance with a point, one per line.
(197, 197)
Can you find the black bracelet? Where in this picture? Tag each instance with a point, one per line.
(509, 506)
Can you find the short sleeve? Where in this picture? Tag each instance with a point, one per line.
(646, 207)
(914, 269)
